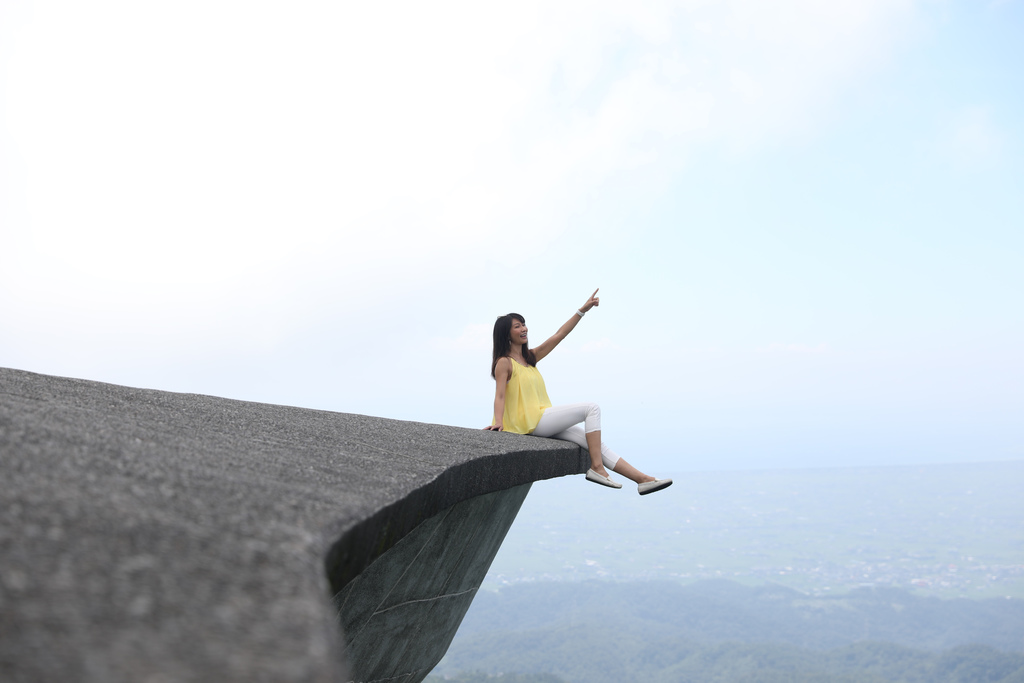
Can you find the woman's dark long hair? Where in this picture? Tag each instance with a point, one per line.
(502, 343)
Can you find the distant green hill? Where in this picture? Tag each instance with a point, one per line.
(723, 631)
(572, 656)
(481, 677)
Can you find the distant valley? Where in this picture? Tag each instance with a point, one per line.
(855, 575)
(711, 631)
(942, 530)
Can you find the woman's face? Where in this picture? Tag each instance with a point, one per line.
(518, 332)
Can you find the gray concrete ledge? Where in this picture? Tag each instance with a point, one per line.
(154, 536)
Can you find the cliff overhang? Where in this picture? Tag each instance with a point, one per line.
(166, 536)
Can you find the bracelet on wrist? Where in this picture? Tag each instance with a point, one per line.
(580, 313)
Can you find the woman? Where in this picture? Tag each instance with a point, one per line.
(521, 403)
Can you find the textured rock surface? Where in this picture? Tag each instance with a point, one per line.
(152, 536)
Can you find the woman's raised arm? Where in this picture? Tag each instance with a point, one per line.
(549, 344)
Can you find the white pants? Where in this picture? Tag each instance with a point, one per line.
(562, 422)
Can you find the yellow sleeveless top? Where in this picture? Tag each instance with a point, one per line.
(526, 397)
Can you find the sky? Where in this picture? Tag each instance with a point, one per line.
(806, 219)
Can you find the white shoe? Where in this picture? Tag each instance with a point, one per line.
(603, 481)
(652, 486)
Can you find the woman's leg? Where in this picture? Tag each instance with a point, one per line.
(556, 422)
(605, 457)
(630, 472)
(559, 418)
(560, 422)
(608, 457)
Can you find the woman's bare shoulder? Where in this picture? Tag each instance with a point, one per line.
(504, 366)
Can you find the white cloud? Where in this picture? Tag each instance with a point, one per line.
(800, 349)
(474, 337)
(211, 165)
(600, 345)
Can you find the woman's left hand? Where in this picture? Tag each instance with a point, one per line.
(594, 300)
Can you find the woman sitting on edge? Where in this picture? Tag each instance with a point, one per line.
(521, 402)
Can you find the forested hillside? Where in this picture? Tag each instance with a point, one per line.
(724, 631)
(743, 663)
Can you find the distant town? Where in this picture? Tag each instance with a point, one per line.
(947, 531)
(964, 578)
